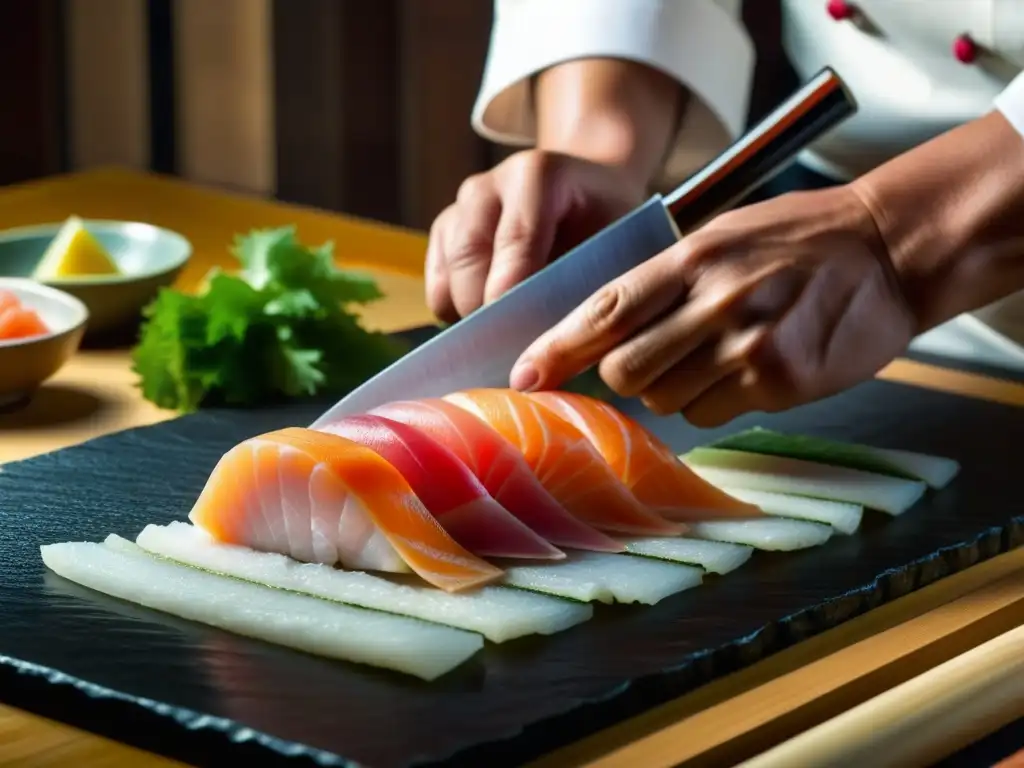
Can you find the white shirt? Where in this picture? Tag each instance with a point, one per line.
(900, 67)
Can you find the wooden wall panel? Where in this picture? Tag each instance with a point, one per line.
(443, 47)
(108, 76)
(224, 93)
(31, 114)
(335, 73)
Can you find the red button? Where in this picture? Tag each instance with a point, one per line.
(965, 49)
(840, 10)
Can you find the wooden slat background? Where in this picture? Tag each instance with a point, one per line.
(353, 106)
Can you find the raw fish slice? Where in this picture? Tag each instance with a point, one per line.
(606, 578)
(778, 474)
(20, 323)
(497, 613)
(772, 534)
(321, 498)
(713, 556)
(564, 461)
(447, 488)
(121, 569)
(501, 469)
(643, 463)
(842, 516)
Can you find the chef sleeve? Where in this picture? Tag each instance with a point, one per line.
(1011, 103)
(700, 43)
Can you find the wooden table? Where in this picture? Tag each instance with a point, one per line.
(722, 723)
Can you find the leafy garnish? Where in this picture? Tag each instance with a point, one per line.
(280, 328)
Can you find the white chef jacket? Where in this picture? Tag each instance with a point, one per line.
(900, 67)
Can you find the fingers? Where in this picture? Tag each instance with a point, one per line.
(592, 330)
(687, 382)
(435, 273)
(466, 243)
(636, 364)
(531, 210)
(732, 396)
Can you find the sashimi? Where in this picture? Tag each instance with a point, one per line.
(17, 321)
(643, 463)
(320, 498)
(447, 488)
(498, 613)
(606, 578)
(565, 462)
(501, 469)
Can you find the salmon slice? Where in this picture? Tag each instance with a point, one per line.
(16, 320)
(448, 489)
(320, 498)
(500, 467)
(643, 463)
(565, 462)
(8, 299)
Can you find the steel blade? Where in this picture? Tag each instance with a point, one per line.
(480, 350)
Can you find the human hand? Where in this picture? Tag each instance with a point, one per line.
(511, 221)
(764, 308)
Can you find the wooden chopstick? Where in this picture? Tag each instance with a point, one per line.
(920, 721)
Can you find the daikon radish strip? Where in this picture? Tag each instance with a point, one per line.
(120, 569)
(498, 613)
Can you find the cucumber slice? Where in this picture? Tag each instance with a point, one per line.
(842, 516)
(936, 471)
(779, 474)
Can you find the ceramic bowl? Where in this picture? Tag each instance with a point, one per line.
(27, 363)
(149, 258)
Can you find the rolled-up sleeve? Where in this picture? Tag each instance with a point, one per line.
(700, 43)
(1011, 103)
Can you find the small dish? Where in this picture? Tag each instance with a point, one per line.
(26, 363)
(148, 257)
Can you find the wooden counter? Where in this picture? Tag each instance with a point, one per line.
(727, 721)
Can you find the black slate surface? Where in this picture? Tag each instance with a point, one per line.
(204, 696)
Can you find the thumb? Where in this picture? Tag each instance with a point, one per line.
(533, 205)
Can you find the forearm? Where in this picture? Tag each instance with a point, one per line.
(610, 111)
(951, 213)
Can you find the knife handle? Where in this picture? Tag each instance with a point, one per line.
(819, 105)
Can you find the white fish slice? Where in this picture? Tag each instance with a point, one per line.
(841, 515)
(770, 533)
(763, 472)
(606, 578)
(713, 556)
(121, 569)
(497, 613)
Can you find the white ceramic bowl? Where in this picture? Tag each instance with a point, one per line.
(27, 363)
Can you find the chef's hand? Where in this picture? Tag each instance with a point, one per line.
(509, 222)
(764, 308)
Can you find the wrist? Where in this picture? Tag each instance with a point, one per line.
(951, 215)
(607, 139)
(613, 112)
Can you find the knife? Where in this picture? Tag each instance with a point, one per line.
(480, 349)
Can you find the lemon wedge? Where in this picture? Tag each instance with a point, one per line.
(74, 252)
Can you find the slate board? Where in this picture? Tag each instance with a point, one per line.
(205, 696)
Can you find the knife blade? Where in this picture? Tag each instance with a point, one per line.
(480, 349)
